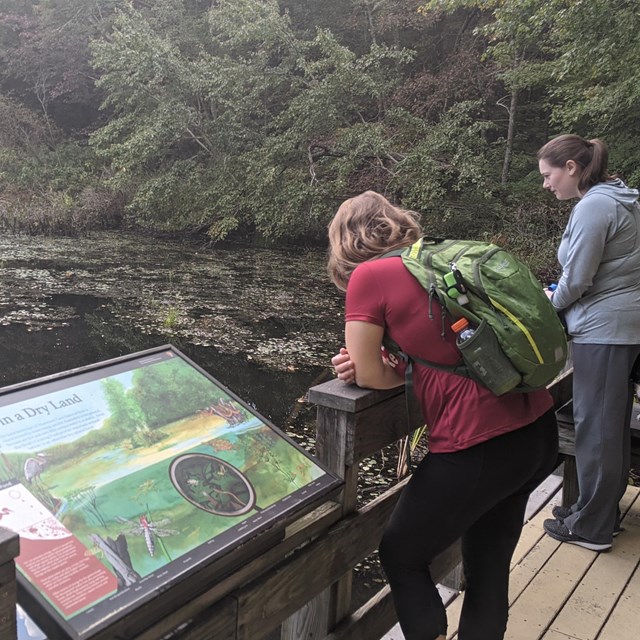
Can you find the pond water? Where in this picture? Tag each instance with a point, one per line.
(264, 323)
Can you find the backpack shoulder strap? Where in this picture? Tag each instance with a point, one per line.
(459, 368)
(392, 254)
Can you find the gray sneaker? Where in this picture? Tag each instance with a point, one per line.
(559, 531)
(560, 513)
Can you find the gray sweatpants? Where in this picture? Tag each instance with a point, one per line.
(602, 403)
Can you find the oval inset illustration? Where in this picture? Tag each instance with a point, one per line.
(212, 484)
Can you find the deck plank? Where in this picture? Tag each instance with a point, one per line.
(525, 572)
(623, 622)
(631, 515)
(593, 600)
(559, 570)
(625, 619)
(537, 606)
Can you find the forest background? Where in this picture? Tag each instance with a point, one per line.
(251, 120)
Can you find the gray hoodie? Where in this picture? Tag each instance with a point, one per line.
(599, 291)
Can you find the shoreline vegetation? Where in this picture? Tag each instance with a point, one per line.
(531, 233)
(249, 121)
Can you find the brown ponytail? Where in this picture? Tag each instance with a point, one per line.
(591, 156)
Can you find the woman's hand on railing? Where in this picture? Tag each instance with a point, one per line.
(344, 367)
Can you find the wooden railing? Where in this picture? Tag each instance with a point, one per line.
(9, 549)
(302, 584)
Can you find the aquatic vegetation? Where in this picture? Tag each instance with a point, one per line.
(86, 500)
(270, 307)
(172, 318)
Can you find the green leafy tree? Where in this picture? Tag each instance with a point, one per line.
(515, 32)
(44, 46)
(243, 133)
(448, 172)
(255, 118)
(48, 103)
(594, 85)
(23, 134)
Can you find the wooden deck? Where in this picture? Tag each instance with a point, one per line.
(564, 592)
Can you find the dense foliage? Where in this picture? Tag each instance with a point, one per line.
(253, 119)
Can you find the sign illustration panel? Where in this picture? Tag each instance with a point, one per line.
(125, 477)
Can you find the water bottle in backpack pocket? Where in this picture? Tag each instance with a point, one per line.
(485, 360)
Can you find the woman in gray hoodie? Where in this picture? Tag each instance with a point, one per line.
(598, 295)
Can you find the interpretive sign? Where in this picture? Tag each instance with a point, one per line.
(126, 477)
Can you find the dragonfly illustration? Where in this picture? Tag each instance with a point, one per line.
(148, 529)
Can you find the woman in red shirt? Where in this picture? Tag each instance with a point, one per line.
(486, 452)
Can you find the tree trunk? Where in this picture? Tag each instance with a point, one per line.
(510, 131)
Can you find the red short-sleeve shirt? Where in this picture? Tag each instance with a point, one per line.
(458, 411)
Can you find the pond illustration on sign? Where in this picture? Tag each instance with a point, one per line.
(130, 471)
(212, 484)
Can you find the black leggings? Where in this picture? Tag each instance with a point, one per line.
(480, 495)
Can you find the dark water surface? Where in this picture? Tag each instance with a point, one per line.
(264, 323)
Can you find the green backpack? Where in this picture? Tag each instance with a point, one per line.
(519, 343)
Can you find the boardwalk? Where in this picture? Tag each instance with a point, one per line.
(564, 592)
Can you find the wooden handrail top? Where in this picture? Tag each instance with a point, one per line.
(335, 394)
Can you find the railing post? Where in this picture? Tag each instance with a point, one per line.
(338, 406)
(334, 447)
(9, 549)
